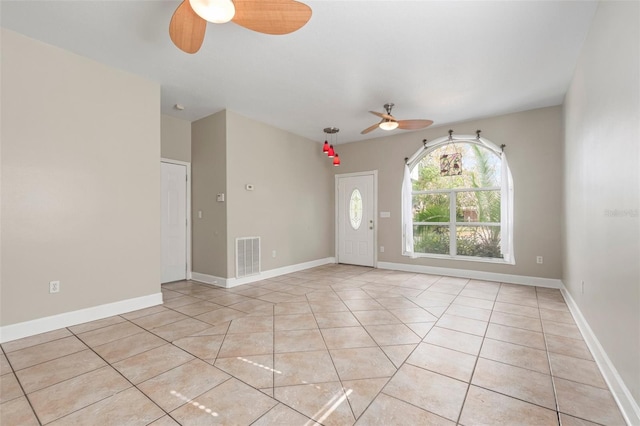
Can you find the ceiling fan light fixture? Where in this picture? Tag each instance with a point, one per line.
(388, 125)
(216, 11)
(389, 122)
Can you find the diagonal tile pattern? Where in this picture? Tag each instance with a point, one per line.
(333, 345)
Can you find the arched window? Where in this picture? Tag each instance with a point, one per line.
(458, 201)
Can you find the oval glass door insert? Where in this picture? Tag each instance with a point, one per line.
(355, 209)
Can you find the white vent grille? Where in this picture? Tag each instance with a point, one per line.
(247, 256)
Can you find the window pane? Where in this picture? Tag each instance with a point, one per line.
(355, 209)
(431, 208)
(479, 241)
(478, 206)
(431, 239)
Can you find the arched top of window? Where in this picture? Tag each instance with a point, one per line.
(456, 165)
(453, 139)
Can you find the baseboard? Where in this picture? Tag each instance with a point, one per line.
(271, 273)
(628, 406)
(67, 319)
(209, 279)
(472, 274)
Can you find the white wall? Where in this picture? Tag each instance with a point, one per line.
(80, 182)
(602, 188)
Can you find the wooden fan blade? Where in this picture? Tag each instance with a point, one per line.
(187, 29)
(383, 115)
(413, 124)
(271, 16)
(369, 129)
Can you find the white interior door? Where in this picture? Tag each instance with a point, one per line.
(356, 219)
(174, 222)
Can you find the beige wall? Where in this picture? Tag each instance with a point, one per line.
(175, 137)
(291, 207)
(208, 178)
(80, 178)
(534, 148)
(602, 189)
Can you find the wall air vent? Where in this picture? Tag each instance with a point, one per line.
(247, 256)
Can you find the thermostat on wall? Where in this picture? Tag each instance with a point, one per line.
(249, 187)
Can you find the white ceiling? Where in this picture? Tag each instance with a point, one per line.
(447, 61)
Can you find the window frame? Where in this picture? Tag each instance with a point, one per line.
(452, 224)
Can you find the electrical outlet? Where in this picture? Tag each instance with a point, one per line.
(273, 254)
(381, 249)
(539, 259)
(54, 286)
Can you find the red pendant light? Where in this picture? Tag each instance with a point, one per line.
(328, 148)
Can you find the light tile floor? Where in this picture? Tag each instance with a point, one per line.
(336, 345)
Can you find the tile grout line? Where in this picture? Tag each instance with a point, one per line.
(173, 368)
(553, 382)
(13, 371)
(397, 369)
(473, 371)
(122, 375)
(546, 346)
(330, 357)
(329, 353)
(86, 372)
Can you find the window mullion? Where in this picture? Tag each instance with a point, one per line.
(441, 191)
(453, 249)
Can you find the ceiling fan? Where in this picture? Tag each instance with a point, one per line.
(189, 21)
(389, 122)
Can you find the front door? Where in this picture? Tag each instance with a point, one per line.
(356, 219)
(174, 222)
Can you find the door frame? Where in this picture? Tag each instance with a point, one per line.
(373, 173)
(188, 213)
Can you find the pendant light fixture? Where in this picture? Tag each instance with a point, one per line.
(328, 148)
(216, 11)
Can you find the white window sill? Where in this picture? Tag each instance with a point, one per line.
(462, 258)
